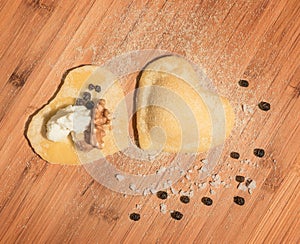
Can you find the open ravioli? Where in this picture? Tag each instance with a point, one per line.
(64, 152)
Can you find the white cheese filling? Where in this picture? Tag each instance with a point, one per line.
(66, 120)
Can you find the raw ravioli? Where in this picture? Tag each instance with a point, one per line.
(175, 114)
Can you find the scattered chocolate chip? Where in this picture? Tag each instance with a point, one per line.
(248, 182)
(91, 87)
(135, 216)
(98, 88)
(240, 178)
(79, 102)
(162, 194)
(239, 200)
(258, 152)
(264, 106)
(235, 155)
(90, 105)
(243, 83)
(207, 201)
(185, 199)
(176, 215)
(86, 96)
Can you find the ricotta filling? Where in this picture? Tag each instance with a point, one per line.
(69, 119)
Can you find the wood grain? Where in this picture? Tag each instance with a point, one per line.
(231, 40)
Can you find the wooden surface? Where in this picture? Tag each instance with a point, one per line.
(256, 40)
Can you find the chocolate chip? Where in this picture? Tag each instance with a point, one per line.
(258, 152)
(240, 178)
(243, 83)
(239, 200)
(176, 215)
(235, 155)
(248, 182)
(162, 194)
(90, 105)
(135, 216)
(98, 88)
(79, 102)
(86, 96)
(185, 199)
(91, 87)
(264, 106)
(207, 201)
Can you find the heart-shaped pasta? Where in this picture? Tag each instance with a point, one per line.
(190, 118)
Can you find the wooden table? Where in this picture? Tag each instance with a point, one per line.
(231, 40)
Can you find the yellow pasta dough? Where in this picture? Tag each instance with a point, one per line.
(174, 114)
(64, 152)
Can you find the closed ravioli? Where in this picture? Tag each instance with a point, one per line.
(174, 114)
(64, 152)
